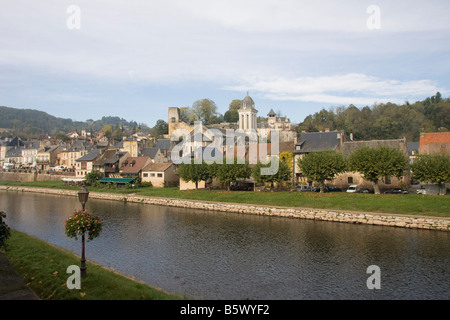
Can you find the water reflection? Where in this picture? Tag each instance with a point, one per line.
(216, 255)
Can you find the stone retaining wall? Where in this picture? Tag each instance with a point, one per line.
(405, 221)
(31, 176)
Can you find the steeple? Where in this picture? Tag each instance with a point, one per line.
(247, 114)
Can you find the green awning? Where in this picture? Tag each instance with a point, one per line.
(117, 180)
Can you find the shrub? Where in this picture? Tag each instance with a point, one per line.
(4, 230)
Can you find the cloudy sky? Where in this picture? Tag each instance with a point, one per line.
(134, 59)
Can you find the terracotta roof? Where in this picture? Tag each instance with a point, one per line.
(157, 166)
(435, 137)
(134, 164)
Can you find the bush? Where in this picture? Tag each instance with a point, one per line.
(145, 184)
(4, 230)
(92, 177)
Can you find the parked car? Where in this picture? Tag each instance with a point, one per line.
(327, 189)
(303, 187)
(333, 189)
(56, 169)
(396, 190)
(353, 188)
(241, 186)
(8, 166)
(421, 191)
(366, 190)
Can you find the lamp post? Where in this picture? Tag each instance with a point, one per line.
(83, 196)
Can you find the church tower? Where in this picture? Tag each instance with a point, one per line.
(247, 115)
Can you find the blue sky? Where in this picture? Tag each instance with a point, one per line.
(134, 59)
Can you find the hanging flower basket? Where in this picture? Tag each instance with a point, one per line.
(83, 223)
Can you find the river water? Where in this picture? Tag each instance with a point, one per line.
(216, 255)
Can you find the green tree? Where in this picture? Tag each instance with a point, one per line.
(92, 177)
(378, 162)
(161, 127)
(235, 105)
(283, 173)
(231, 116)
(321, 166)
(107, 131)
(194, 172)
(433, 168)
(229, 172)
(205, 110)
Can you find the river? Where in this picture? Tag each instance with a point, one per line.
(217, 255)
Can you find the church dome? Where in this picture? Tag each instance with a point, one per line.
(248, 103)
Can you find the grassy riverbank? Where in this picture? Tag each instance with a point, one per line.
(409, 204)
(43, 268)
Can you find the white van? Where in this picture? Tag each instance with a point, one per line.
(353, 188)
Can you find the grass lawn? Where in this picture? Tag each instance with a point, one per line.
(43, 268)
(411, 204)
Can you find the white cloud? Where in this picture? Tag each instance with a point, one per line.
(226, 41)
(358, 89)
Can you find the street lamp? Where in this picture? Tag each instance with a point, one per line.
(83, 196)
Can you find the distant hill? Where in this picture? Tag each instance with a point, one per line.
(31, 123)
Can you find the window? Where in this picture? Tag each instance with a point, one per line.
(159, 175)
(152, 175)
(350, 180)
(145, 175)
(172, 119)
(387, 180)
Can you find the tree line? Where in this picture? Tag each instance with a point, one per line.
(384, 121)
(227, 173)
(374, 163)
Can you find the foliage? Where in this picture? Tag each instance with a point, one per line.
(225, 173)
(204, 110)
(384, 121)
(161, 127)
(229, 172)
(287, 157)
(82, 223)
(434, 168)
(194, 172)
(321, 166)
(378, 162)
(283, 173)
(4, 230)
(31, 123)
(92, 177)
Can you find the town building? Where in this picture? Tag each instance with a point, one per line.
(435, 142)
(160, 174)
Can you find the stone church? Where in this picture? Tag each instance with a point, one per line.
(247, 122)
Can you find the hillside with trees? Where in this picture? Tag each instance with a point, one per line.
(30, 123)
(384, 121)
